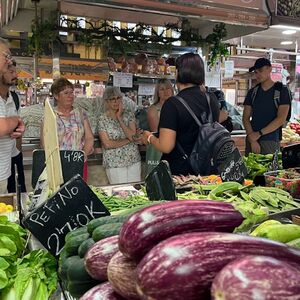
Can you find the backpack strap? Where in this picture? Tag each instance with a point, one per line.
(277, 90)
(254, 93)
(16, 100)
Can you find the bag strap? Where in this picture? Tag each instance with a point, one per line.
(204, 118)
(16, 100)
(254, 93)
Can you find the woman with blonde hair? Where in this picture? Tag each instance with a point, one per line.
(116, 127)
(163, 91)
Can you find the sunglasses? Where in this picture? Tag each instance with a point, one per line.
(7, 56)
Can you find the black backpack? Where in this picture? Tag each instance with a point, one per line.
(277, 92)
(212, 146)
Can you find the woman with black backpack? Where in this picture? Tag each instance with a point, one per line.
(176, 126)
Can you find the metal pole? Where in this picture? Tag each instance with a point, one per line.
(35, 55)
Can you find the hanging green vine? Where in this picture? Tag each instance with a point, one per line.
(124, 40)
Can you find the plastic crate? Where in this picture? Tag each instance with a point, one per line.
(279, 179)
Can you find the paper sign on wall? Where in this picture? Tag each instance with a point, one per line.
(123, 79)
(146, 89)
(229, 69)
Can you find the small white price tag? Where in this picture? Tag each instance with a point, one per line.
(146, 89)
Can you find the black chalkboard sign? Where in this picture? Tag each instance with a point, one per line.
(159, 183)
(72, 206)
(291, 156)
(233, 168)
(71, 163)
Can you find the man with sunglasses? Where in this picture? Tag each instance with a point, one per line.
(11, 125)
(264, 115)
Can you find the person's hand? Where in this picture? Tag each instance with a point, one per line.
(145, 136)
(253, 136)
(120, 111)
(18, 132)
(255, 147)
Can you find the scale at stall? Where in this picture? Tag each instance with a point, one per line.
(291, 156)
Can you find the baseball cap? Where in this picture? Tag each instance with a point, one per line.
(261, 62)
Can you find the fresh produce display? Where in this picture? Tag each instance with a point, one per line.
(290, 134)
(256, 277)
(5, 208)
(295, 127)
(258, 164)
(119, 268)
(32, 277)
(276, 231)
(149, 226)
(98, 256)
(103, 291)
(115, 203)
(294, 243)
(184, 266)
(245, 198)
(288, 179)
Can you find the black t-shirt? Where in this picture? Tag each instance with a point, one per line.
(264, 110)
(176, 117)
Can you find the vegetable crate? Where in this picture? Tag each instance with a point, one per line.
(287, 179)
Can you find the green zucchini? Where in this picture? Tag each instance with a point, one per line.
(93, 224)
(76, 232)
(85, 246)
(77, 271)
(78, 288)
(72, 245)
(106, 230)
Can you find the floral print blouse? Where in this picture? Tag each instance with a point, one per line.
(123, 156)
(70, 130)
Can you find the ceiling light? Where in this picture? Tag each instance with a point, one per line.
(286, 27)
(289, 31)
(286, 43)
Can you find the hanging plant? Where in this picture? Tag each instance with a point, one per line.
(134, 39)
(43, 35)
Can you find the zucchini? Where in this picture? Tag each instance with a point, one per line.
(76, 270)
(93, 224)
(75, 232)
(78, 288)
(106, 230)
(73, 243)
(85, 246)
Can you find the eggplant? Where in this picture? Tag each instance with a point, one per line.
(121, 273)
(103, 291)
(257, 277)
(151, 225)
(98, 256)
(184, 266)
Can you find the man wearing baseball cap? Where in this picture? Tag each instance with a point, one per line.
(264, 112)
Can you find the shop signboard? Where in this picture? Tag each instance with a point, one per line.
(229, 69)
(71, 207)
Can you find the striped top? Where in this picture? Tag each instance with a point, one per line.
(7, 109)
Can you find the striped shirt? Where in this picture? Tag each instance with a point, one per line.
(7, 109)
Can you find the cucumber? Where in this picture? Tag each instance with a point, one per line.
(85, 246)
(76, 232)
(78, 288)
(93, 224)
(71, 246)
(76, 270)
(106, 230)
(66, 265)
